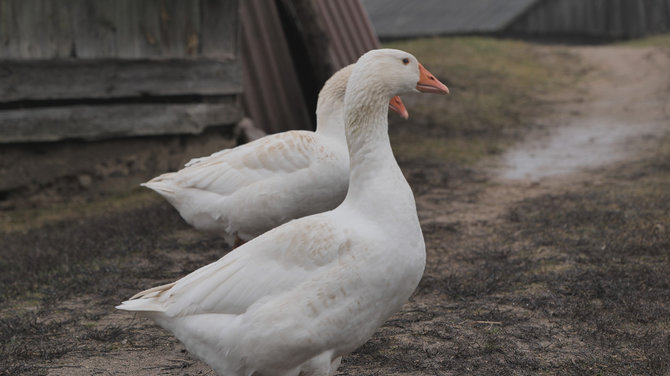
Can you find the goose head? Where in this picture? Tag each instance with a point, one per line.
(330, 103)
(390, 72)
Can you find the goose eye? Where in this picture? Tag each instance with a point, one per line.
(405, 61)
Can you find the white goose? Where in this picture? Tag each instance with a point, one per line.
(248, 190)
(296, 299)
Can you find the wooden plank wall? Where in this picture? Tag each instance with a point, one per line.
(47, 29)
(616, 19)
(98, 69)
(86, 79)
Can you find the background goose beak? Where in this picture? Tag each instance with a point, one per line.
(429, 84)
(396, 105)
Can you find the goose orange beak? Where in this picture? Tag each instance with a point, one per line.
(396, 105)
(429, 84)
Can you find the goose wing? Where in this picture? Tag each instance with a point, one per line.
(227, 171)
(270, 264)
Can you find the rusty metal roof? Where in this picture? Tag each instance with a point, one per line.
(273, 97)
(349, 29)
(270, 81)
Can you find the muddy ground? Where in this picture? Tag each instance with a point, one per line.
(549, 259)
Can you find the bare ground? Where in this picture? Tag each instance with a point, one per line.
(536, 264)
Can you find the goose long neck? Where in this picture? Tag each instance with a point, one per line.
(330, 119)
(330, 105)
(366, 126)
(372, 165)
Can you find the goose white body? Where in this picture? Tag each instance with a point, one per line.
(245, 191)
(296, 299)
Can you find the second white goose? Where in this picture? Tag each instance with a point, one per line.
(248, 190)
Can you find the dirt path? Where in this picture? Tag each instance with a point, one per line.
(624, 106)
(620, 112)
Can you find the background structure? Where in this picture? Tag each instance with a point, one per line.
(93, 89)
(601, 19)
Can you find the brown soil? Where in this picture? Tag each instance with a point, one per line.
(539, 274)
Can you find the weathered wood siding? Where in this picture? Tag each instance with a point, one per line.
(100, 68)
(47, 29)
(115, 78)
(595, 18)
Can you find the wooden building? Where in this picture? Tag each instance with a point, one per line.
(608, 19)
(598, 19)
(96, 69)
(93, 89)
(101, 69)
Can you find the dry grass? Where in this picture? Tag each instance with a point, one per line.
(96, 261)
(571, 283)
(24, 219)
(497, 87)
(660, 40)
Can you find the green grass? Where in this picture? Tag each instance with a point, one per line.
(496, 88)
(26, 219)
(660, 40)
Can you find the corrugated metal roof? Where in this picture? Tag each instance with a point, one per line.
(271, 84)
(273, 97)
(401, 18)
(349, 30)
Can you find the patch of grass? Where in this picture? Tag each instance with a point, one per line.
(611, 241)
(26, 337)
(458, 150)
(26, 219)
(569, 283)
(107, 334)
(660, 40)
(111, 251)
(61, 257)
(496, 88)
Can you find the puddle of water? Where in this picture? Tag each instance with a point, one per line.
(568, 149)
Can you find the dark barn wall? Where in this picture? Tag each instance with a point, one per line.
(611, 19)
(95, 69)
(289, 48)
(46, 29)
(81, 79)
(273, 97)
(349, 29)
